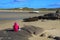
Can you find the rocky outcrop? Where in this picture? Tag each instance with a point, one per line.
(30, 19)
(24, 34)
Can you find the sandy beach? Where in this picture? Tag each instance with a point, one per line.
(46, 25)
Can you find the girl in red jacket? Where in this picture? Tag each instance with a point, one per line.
(15, 27)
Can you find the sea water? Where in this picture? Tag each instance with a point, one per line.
(16, 15)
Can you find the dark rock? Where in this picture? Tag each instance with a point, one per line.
(57, 38)
(57, 11)
(52, 16)
(42, 35)
(30, 19)
(40, 17)
(50, 36)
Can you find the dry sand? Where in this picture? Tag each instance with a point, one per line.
(47, 25)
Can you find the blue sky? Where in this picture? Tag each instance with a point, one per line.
(30, 3)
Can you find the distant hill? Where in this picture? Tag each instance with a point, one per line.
(31, 9)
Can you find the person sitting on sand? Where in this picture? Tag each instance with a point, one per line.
(16, 27)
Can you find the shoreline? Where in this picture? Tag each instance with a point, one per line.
(26, 11)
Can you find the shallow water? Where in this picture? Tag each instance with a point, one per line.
(16, 15)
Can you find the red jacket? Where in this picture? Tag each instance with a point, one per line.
(15, 27)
